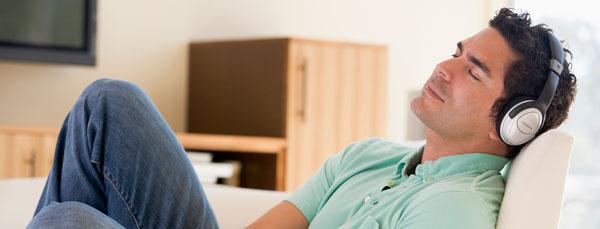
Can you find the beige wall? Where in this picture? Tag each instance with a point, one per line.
(145, 45)
(145, 42)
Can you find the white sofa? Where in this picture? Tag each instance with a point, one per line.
(234, 207)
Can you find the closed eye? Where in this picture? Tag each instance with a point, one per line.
(473, 75)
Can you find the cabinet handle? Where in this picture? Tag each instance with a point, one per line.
(301, 112)
(30, 161)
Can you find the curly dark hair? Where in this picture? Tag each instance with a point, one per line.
(527, 75)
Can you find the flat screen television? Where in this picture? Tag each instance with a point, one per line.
(57, 31)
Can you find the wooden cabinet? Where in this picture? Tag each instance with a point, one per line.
(26, 152)
(29, 152)
(317, 95)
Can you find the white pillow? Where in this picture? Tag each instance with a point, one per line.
(535, 184)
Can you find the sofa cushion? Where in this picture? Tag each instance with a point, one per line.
(234, 207)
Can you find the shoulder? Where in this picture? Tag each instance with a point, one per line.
(486, 188)
(489, 188)
(488, 181)
(467, 201)
(450, 209)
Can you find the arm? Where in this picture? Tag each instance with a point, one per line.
(283, 215)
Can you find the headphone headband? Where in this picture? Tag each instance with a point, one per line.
(556, 67)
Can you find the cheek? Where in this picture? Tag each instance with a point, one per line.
(475, 101)
(484, 108)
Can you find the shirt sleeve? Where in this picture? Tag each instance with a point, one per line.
(450, 210)
(313, 194)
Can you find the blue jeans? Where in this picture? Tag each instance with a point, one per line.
(117, 163)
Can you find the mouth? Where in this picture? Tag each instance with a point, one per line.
(430, 90)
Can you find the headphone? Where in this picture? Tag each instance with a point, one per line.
(523, 117)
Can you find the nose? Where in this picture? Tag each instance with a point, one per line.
(444, 71)
(445, 75)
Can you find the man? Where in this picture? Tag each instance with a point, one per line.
(118, 164)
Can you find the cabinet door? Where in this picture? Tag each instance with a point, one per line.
(363, 98)
(312, 114)
(17, 155)
(336, 95)
(44, 154)
(237, 87)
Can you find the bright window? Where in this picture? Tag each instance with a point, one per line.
(578, 22)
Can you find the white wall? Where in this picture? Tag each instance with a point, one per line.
(146, 42)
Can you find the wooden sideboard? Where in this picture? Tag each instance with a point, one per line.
(318, 95)
(28, 152)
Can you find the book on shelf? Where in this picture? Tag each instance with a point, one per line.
(199, 156)
(226, 172)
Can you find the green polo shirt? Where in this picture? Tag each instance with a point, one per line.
(461, 191)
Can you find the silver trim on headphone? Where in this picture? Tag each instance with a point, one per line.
(521, 128)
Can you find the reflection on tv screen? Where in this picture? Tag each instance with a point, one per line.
(45, 23)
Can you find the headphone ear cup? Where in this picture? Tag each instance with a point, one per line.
(523, 126)
(505, 111)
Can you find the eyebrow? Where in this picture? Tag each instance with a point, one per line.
(474, 60)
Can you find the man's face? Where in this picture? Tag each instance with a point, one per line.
(457, 99)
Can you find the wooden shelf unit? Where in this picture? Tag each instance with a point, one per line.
(28, 152)
(262, 158)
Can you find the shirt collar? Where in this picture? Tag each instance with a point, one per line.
(449, 165)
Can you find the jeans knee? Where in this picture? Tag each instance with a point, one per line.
(112, 89)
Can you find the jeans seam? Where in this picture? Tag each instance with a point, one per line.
(125, 201)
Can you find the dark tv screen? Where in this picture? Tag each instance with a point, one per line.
(59, 31)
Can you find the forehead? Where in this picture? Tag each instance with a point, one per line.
(492, 49)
